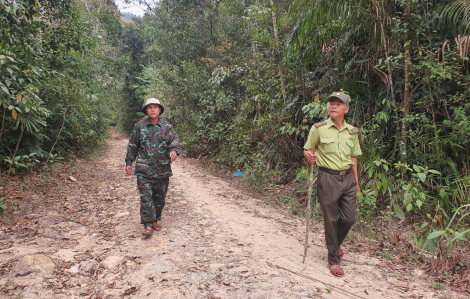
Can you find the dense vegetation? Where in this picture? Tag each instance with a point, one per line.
(243, 81)
(59, 62)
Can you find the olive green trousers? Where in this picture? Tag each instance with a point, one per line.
(337, 196)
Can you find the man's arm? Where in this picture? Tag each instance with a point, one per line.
(132, 148)
(309, 148)
(174, 144)
(311, 155)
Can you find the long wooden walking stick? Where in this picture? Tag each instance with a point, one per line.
(309, 211)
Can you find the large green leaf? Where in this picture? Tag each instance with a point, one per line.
(399, 212)
(435, 234)
(422, 176)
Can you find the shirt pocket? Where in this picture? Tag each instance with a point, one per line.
(328, 145)
(145, 139)
(347, 149)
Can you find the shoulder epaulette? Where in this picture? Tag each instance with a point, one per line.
(319, 124)
(353, 131)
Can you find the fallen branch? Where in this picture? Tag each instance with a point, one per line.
(314, 279)
(309, 211)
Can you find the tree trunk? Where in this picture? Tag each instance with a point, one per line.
(257, 100)
(61, 127)
(385, 46)
(407, 94)
(277, 56)
(389, 66)
(3, 123)
(16, 149)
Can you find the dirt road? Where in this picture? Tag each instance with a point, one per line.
(85, 241)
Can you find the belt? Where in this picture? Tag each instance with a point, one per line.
(335, 172)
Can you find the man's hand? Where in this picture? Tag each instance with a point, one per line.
(173, 156)
(128, 170)
(311, 157)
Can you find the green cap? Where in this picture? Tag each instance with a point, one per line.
(340, 96)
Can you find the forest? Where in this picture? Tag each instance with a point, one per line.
(243, 81)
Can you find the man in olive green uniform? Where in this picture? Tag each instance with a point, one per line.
(154, 145)
(334, 145)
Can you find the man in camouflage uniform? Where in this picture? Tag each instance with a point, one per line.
(154, 144)
(336, 144)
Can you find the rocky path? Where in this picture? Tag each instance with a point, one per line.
(85, 241)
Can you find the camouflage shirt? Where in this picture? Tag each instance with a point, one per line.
(151, 145)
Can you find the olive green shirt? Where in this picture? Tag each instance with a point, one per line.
(334, 147)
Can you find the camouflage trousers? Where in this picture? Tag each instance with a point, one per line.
(152, 198)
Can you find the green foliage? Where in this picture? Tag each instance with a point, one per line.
(414, 187)
(24, 161)
(422, 232)
(53, 158)
(451, 234)
(53, 85)
(367, 202)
